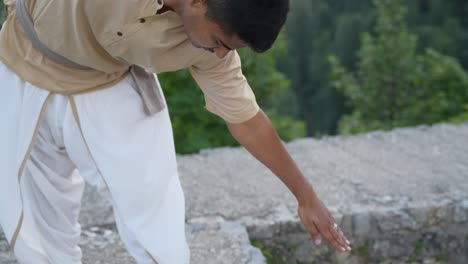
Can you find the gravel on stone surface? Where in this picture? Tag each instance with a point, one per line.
(99, 245)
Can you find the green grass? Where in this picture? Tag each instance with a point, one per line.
(303, 262)
(293, 248)
(441, 258)
(271, 258)
(413, 259)
(418, 247)
(360, 251)
(267, 253)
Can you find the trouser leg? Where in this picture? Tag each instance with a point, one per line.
(134, 156)
(51, 197)
(20, 107)
(39, 198)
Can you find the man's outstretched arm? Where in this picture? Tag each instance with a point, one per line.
(259, 137)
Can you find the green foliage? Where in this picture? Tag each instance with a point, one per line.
(272, 89)
(314, 29)
(303, 262)
(195, 128)
(2, 13)
(443, 91)
(267, 253)
(393, 85)
(441, 25)
(441, 258)
(461, 118)
(293, 248)
(418, 248)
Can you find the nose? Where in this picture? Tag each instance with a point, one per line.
(221, 52)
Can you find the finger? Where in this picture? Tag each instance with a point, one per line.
(333, 242)
(336, 232)
(330, 239)
(345, 238)
(314, 233)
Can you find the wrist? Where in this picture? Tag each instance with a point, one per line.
(306, 195)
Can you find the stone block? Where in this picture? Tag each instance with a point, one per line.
(395, 219)
(362, 223)
(460, 212)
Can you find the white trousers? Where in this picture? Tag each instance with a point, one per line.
(107, 137)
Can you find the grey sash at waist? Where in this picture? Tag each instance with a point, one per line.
(146, 85)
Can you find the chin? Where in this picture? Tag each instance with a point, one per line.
(196, 44)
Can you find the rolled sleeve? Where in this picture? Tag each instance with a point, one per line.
(227, 92)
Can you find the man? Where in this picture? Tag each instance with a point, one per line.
(87, 110)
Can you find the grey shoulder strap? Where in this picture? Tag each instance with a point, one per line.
(146, 85)
(28, 27)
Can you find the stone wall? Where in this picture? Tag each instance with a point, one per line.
(400, 196)
(434, 232)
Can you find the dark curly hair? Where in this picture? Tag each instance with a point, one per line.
(256, 22)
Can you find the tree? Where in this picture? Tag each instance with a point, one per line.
(441, 25)
(314, 29)
(443, 94)
(393, 85)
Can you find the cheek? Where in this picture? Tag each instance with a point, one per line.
(192, 32)
(197, 38)
(194, 39)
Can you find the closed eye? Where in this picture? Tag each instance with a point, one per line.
(219, 43)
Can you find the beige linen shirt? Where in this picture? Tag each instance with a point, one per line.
(111, 35)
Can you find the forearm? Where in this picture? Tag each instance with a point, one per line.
(259, 137)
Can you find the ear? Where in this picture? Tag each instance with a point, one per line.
(198, 4)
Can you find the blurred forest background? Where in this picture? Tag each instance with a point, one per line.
(344, 67)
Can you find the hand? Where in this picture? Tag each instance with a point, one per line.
(319, 222)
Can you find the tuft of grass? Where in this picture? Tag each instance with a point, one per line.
(303, 262)
(418, 247)
(441, 258)
(360, 251)
(265, 251)
(412, 259)
(293, 248)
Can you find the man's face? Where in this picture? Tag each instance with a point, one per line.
(206, 34)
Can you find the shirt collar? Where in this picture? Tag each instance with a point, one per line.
(151, 8)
